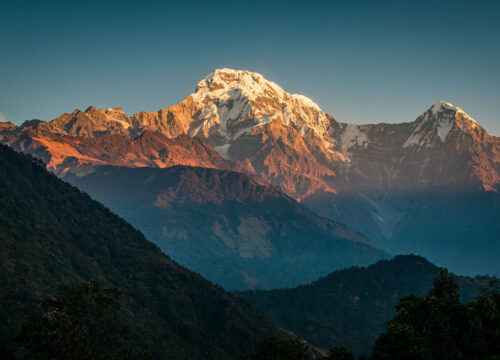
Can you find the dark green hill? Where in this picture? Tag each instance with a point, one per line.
(351, 307)
(52, 233)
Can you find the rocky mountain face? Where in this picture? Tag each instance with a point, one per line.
(80, 155)
(442, 150)
(369, 177)
(277, 137)
(7, 125)
(226, 226)
(444, 147)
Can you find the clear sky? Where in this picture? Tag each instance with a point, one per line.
(361, 61)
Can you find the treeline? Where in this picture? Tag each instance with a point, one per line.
(351, 307)
(437, 326)
(83, 322)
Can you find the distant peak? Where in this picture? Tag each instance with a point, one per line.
(7, 125)
(114, 109)
(443, 105)
(251, 83)
(234, 73)
(440, 119)
(226, 79)
(31, 123)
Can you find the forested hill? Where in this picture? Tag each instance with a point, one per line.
(51, 233)
(351, 307)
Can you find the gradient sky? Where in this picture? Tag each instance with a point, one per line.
(361, 61)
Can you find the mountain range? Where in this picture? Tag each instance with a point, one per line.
(429, 186)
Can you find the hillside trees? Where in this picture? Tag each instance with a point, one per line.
(439, 326)
(81, 322)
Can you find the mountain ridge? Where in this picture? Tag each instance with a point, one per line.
(239, 112)
(364, 176)
(350, 307)
(228, 227)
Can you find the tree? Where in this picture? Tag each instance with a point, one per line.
(282, 349)
(82, 322)
(482, 340)
(339, 353)
(6, 352)
(439, 327)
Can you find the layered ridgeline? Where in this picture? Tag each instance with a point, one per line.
(428, 187)
(226, 226)
(63, 153)
(351, 307)
(51, 233)
(387, 180)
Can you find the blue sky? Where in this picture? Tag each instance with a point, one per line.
(361, 61)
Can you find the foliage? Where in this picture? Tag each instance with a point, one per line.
(351, 307)
(339, 353)
(439, 326)
(82, 322)
(6, 351)
(274, 348)
(51, 233)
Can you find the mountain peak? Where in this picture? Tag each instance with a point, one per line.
(115, 109)
(227, 75)
(438, 121)
(441, 106)
(251, 83)
(232, 103)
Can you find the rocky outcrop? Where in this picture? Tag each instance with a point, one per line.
(80, 155)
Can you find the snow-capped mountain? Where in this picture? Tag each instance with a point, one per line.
(438, 122)
(443, 150)
(443, 146)
(234, 103)
(286, 139)
(226, 105)
(280, 138)
(366, 176)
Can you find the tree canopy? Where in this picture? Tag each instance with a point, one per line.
(274, 348)
(81, 322)
(439, 327)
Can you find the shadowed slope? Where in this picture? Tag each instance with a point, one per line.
(52, 233)
(228, 227)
